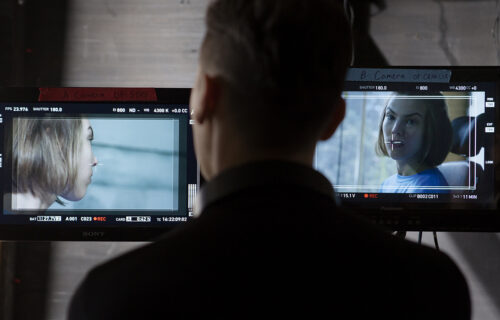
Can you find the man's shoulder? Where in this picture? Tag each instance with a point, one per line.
(288, 240)
(379, 242)
(344, 254)
(133, 285)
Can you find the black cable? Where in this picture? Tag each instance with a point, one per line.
(435, 240)
(420, 237)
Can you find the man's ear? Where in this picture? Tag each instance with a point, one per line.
(335, 119)
(211, 90)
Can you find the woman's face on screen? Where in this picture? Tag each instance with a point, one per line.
(85, 162)
(403, 128)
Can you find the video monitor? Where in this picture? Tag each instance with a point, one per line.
(95, 163)
(416, 150)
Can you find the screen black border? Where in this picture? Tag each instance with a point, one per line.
(439, 217)
(88, 233)
(397, 218)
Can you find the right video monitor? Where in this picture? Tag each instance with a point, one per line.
(416, 149)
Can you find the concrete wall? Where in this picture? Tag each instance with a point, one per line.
(154, 43)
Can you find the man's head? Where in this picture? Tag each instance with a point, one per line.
(270, 77)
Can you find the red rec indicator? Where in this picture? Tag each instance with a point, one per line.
(102, 219)
(371, 195)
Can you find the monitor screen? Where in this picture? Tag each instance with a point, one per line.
(416, 150)
(98, 163)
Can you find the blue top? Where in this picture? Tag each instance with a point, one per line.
(426, 181)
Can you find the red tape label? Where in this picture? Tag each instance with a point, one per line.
(97, 94)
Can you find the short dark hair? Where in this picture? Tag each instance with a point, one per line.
(438, 133)
(283, 60)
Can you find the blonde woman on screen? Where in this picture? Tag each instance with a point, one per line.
(51, 158)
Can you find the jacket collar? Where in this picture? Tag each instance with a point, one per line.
(260, 174)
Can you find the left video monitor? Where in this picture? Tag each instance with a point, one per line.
(107, 168)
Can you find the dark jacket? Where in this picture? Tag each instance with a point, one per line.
(271, 242)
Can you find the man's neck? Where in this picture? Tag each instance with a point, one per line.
(236, 156)
(224, 148)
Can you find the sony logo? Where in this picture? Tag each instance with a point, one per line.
(93, 234)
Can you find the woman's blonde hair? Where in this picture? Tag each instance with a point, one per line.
(438, 133)
(44, 155)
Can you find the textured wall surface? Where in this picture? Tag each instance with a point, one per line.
(154, 43)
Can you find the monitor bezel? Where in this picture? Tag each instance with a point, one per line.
(429, 217)
(89, 233)
(397, 218)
